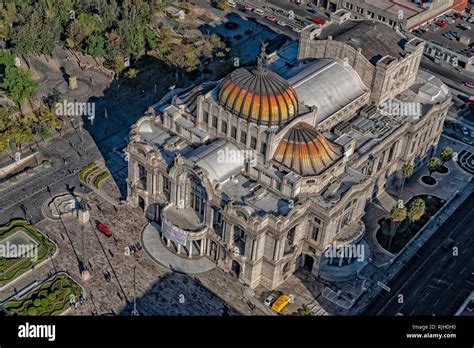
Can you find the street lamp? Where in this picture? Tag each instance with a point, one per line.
(134, 311)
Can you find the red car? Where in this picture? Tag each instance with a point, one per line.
(469, 84)
(441, 24)
(318, 21)
(104, 230)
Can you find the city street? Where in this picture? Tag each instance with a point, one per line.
(435, 282)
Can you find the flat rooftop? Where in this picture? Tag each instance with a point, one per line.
(374, 38)
(408, 7)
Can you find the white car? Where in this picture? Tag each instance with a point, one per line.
(296, 30)
(281, 23)
(464, 131)
(269, 300)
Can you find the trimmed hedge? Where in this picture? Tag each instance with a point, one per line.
(99, 178)
(13, 268)
(61, 288)
(85, 170)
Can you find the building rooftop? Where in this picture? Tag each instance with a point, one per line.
(326, 84)
(375, 39)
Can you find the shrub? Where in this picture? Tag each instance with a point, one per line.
(37, 302)
(84, 170)
(99, 178)
(32, 311)
(44, 302)
(52, 296)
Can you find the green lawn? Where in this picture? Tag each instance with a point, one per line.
(10, 268)
(50, 298)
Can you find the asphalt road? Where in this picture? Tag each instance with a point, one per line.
(451, 77)
(435, 282)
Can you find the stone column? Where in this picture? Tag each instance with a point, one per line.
(179, 249)
(190, 251)
(202, 247)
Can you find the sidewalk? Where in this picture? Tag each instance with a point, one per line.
(372, 289)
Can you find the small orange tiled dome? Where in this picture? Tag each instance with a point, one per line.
(306, 151)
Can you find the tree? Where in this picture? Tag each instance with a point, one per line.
(416, 209)
(131, 73)
(434, 164)
(223, 5)
(446, 154)
(81, 28)
(398, 213)
(95, 45)
(18, 84)
(150, 39)
(407, 171)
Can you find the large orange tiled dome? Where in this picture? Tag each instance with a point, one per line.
(258, 95)
(306, 151)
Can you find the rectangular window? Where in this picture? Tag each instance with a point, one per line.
(263, 148)
(253, 143)
(314, 233)
(291, 236)
(243, 137)
(233, 132)
(214, 122)
(166, 184)
(205, 117)
(224, 127)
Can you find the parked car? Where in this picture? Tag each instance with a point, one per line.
(469, 84)
(104, 230)
(317, 20)
(281, 23)
(296, 30)
(248, 8)
(464, 26)
(269, 300)
(447, 243)
(280, 303)
(471, 133)
(271, 18)
(464, 131)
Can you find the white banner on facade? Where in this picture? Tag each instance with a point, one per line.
(173, 232)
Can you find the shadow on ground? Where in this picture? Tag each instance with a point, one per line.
(180, 294)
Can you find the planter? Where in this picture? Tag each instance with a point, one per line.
(443, 170)
(428, 180)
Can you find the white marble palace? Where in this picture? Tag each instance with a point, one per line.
(263, 171)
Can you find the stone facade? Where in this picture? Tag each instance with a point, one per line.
(259, 219)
